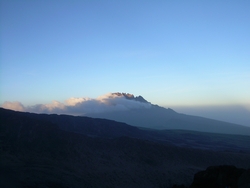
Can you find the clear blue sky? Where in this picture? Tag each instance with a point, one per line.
(170, 52)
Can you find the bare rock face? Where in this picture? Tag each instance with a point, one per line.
(221, 177)
(131, 97)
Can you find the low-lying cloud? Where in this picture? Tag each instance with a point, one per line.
(17, 106)
(81, 106)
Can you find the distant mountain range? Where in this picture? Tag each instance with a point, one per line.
(133, 110)
(156, 117)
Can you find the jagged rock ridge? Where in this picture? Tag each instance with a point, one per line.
(131, 97)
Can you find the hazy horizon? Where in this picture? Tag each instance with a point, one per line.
(237, 114)
(188, 54)
(110, 102)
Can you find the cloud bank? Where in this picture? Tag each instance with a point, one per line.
(17, 106)
(82, 106)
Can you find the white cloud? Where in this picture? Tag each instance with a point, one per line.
(17, 106)
(81, 106)
(73, 101)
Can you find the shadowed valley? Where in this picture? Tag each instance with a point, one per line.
(39, 150)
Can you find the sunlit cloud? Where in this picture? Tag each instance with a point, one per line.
(81, 106)
(17, 106)
(73, 101)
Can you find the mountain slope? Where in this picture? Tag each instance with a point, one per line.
(156, 117)
(35, 152)
(135, 111)
(103, 128)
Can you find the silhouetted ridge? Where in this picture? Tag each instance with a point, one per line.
(94, 127)
(34, 152)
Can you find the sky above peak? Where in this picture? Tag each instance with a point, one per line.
(170, 52)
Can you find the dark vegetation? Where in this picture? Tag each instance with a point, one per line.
(66, 151)
(222, 176)
(202, 140)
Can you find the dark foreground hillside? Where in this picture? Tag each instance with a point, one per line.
(36, 153)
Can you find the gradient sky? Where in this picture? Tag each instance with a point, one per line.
(170, 52)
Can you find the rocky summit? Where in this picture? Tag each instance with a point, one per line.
(131, 97)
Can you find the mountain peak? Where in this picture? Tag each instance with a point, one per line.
(131, 97)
